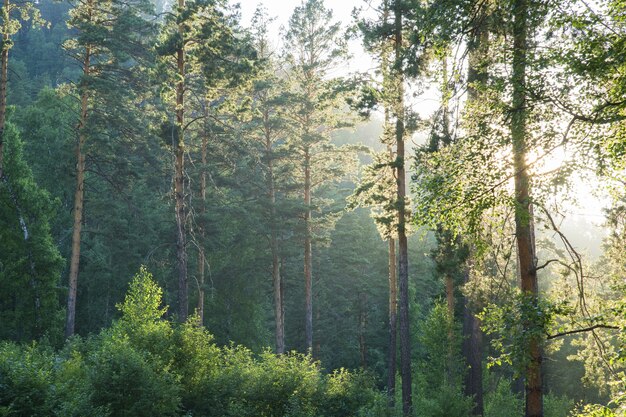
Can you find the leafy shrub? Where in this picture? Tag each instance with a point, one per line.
(557, 406)
(26, 376)
(594, 410)
(503, 402)
(129, 383)
(143, 366)
(350, 394)
(439, 376)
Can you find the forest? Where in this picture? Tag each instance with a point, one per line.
(206, 215)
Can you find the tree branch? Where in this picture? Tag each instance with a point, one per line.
(583, 330)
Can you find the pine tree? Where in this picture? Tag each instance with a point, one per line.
(200, 39)
(10, 25)
(269, 126)
(111, 40)
(313, 45)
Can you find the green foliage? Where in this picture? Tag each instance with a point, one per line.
(142, 321)
(350, 394)
(142, 305)
(501, 401)
(440, 369)
(144, 366)
(26, 380)
(515, 324)
(557, 406)
(443, 402)
(30, 264)
(594, 410)
(126, 381)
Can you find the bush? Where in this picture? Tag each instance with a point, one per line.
(503, 402)
(130, 383)
(26, 376)
(143, 366)
(350, 394)
(557, 406)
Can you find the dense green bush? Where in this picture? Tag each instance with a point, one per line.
(345, 393)
(26, 381)
(146, 366)
(440, 372)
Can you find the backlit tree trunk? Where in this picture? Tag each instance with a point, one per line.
(393, 322)
(308, 294)
(276, 277)
(403, 261)
(523, 213)
(473, 354)
(202, 227)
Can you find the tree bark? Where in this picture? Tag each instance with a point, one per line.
(523, 222)
(308, 293)
(201, 253)
(403, 264)
(276, 277)
(4, 65)
(79, 194)
(179, 180)
(362, 329)
(393, 265)
(450, 301)
(393, 322)
(450, 304)
(473, 354)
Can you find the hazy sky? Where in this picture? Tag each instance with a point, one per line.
(283, 9)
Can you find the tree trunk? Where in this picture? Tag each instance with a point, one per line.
(403, 264)
(4, 65)
(473, 354)
(281, 270)
(201, 253)
(450, 304)
(362, 329)
(450, 301)
(276, 278)
(179, 180)
(393, 265)
(523, 222)
(278, 299)
(308, 294)
(78, 197)
(393, 324)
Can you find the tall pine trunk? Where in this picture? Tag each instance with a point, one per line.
(276, 277)
(473, 354)
(362, 329)
(393, 322)
(523, 214)
(403, 261)
(202, 227)
(393, 262)
(179, 180)
(79, 193)
(4, 68)
(308, 258)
